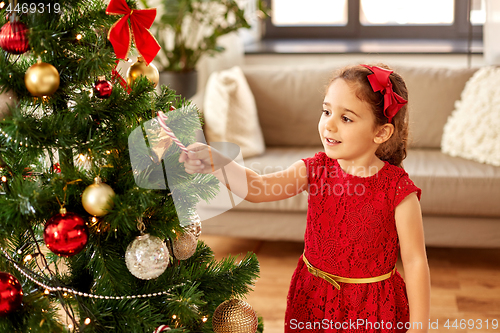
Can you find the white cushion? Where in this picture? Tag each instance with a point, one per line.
(473, 129)
(230, 112)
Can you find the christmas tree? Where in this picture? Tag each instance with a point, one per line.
(91, 238)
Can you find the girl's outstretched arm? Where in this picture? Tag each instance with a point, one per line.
(411, 238)
(244, 182)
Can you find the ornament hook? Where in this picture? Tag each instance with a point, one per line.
(141, 226)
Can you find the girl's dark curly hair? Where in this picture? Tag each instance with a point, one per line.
(394, 149)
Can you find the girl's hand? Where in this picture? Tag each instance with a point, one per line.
(199, 158)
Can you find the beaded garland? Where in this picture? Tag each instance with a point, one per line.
(75, 292)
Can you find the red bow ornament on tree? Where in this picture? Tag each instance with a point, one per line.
(120, 35)
(380, 81)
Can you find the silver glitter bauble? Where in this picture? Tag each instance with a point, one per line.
(147, 257)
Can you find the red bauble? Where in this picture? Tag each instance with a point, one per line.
(11, 294)
(66, 233)
(13, 37)
(103, 88)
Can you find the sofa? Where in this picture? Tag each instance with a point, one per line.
(460, 198)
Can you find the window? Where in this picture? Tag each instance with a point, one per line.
(398, 12)
(316, 13)
(478, 12)
(422, 19)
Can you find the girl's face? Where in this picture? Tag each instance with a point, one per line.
(347, 126)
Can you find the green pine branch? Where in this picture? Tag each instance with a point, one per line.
(41, 150)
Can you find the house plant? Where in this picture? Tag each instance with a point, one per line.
(188, 29)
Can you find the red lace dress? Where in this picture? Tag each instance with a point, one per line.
(351, 232)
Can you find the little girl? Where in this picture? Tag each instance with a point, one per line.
(362, 209)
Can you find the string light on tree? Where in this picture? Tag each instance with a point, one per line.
(28, 258)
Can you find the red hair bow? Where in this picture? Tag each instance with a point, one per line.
(380, 81)
(120, 36)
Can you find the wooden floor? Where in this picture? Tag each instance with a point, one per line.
(465, 283)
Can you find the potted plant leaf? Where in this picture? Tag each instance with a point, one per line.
(188, 29)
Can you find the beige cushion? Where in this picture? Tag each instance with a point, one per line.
(289, 101)
(453, 186)
(473, 129)
(432, 93)
(230, 113)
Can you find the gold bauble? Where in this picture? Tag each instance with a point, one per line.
(42, 79)
(8, 99)
(97, 198)
(234, 316)
(184, 246)
(141, 68)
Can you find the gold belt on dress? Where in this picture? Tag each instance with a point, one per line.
(334, 279)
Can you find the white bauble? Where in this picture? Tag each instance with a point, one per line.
(147, 257)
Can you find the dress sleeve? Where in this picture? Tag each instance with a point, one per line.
(314, 167)
(404, 187)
